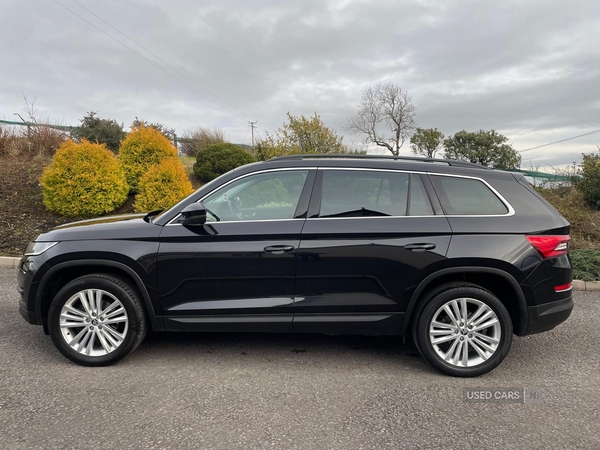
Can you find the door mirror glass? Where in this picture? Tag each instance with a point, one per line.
(193, 214)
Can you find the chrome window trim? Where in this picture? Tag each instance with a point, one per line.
(366, 169)
(511, 210)
(376, 217)
(171, 222)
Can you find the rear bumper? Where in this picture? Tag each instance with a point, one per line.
(548, 315)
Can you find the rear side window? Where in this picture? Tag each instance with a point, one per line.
(465, 196)
(364, 193)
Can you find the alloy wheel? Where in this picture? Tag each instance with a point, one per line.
(465, 332)
(93, 322)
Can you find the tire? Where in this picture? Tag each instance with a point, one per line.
(86, 335)
(442, 342)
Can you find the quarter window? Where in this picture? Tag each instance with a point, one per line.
(264, 196)
(363, 193)
(465, 196)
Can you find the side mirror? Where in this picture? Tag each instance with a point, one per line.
(194, 214)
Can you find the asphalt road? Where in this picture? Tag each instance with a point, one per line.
(230, 391)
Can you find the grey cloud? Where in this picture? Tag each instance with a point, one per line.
(525, 68)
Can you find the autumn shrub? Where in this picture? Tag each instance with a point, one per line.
(141, 149)
(8, 140)
(83, 180)
(570, 203)
(39, 136)
(44, 140)
(162, 186)
(216, 159)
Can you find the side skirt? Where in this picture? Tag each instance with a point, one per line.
(374, 324)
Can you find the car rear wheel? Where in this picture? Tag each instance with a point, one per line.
(464, 331)
(96, 320)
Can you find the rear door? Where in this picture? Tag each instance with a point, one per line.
(371, 236)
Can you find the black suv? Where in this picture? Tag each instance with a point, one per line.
(455, 255)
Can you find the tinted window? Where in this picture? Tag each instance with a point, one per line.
(419, 201)
(264, 196)
(464, 196)
(363, 193)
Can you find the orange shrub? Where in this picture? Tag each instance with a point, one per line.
(83, 180)
(141, 149)
(162, 186)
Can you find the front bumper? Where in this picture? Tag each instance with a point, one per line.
(29, 316)
(546, 316)
(27, 290)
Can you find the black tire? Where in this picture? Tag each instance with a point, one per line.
(128, 297)
(427, 298)
(434, 301)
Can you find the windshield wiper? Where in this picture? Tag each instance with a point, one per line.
(362, 212)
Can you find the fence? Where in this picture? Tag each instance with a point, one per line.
(34, 124)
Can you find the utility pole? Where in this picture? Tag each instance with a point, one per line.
(252, 125)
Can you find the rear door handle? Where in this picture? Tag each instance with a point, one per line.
(279, 248)
(421, 247)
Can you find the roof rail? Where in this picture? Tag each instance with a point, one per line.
(450, 162)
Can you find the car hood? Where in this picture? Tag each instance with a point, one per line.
(126, 226)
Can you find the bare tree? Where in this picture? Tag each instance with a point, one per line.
(386, 116)
(43, 136)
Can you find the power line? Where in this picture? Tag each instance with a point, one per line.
(556, 142)
(244, 140)
(149, 61)
(259, 136)
(252, 125)
(160, 59)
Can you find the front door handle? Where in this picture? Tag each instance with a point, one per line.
(418, 247)
(279, 248)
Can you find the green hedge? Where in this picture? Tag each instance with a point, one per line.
(216, 159)
(586, 264)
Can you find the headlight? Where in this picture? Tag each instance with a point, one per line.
(37, 248)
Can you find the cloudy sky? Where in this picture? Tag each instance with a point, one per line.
(530, 69)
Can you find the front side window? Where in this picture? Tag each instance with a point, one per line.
(364, 193)
(466, 196)
(264, 196)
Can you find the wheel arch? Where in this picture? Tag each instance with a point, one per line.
(481, 276)
(62, 273)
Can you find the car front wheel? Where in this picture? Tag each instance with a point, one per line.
(464, 331)
(96, 320)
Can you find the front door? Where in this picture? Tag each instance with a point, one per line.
(237, 271)
(370, 237)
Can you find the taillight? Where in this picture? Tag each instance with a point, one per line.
(550, 246)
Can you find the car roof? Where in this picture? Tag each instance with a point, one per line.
(408, 163)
